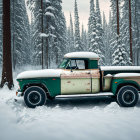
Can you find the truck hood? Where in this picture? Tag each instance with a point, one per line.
(40, 74)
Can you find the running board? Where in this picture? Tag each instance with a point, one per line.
(86, 95)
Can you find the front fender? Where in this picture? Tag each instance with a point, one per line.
(51, 84)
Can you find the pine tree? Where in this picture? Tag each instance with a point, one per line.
(105, 41)
(78, 45)
(71, 34)
(120, 54)
(130, 30)
(99, 33)
(7, 77)
(124, 30)
(94, 32)
(21, 34)
(84, 39)
(68, 33)
(114, 41)
(50, 40)
(55, 31)
(136, 31)
(35, 31)
(93, 45)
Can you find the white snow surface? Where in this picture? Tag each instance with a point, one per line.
(127, 75)
(89, 55)
(40, 73)
(114, 68)
(67, 119)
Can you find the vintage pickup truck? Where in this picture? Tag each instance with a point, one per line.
(78, 75)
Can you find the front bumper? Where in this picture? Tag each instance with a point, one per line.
(18, 94)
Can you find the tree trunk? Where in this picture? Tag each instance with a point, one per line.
(118, 19)
(42, 32)
(7, 77)
(14, 62)
(130, 30)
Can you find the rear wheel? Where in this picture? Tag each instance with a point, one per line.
(34, 96)
(127, 96)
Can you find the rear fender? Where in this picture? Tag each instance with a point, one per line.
(118, 83)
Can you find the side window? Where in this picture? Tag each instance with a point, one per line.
(80, 64)
(77, 64)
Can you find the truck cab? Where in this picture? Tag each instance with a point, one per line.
(81, 74)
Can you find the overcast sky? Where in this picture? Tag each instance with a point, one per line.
(83, 7)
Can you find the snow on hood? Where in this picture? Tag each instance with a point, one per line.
(40, 74)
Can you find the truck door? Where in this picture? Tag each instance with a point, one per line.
(76, 79)
(95, 75)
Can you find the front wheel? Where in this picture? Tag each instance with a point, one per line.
(34, 96)
(127, 96)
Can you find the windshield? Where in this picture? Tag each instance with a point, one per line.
(64, 64)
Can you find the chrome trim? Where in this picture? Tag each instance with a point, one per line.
(19, 94)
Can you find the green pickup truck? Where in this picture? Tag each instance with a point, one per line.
(80, 75)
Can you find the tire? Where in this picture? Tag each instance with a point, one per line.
(34, 96)
(51, 98)
(127, 96)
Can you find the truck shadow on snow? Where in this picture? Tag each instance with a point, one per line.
(80, 102)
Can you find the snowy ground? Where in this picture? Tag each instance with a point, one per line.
(71, 119)
(68, 119)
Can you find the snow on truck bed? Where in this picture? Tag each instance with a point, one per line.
(120, 68)
(127, 75)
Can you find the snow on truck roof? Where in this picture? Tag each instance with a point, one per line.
(88, 55)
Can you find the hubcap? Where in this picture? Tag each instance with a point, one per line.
(34, 98)
(128, 97)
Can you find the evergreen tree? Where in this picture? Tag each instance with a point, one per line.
(55, 40)
(93, 46)
(36, 31)
(68, 33)
(71, 34)
(21, 34)
(115, 30)
(95, 32)
(99, 33)
(120, 54)
(53, 34)
(124, 30)
(136, 31)
(105, 41)
(78, 45)
(50, 42)
(84, 38)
